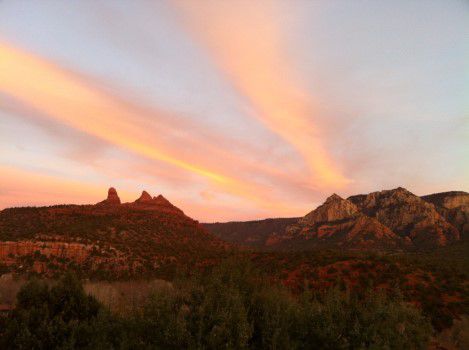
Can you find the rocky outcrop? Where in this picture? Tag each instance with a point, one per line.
(454, 207)
(158, 204)
(144, 198)
(112, 198)
(448, 200)
(335, 208)
(338, 222)
(145, 202)
(160, 200)
(407, 215)
(164, 205)
(11, 251)
(392, 218)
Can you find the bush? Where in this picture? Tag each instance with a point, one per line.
(337, 320)
(231, 307)
(48, 318)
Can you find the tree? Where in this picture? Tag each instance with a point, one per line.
(47, 318)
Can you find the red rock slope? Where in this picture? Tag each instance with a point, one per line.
(110, 239)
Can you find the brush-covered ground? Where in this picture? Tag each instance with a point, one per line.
(255, 300)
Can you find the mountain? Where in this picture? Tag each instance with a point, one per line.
(147, 237)
(335, 208)
(258, 233)
(152, 237)
(454, 207)
(389, 219)
(339, 223)
(408, 216)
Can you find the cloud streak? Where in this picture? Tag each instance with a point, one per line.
(232, 109)
(73, 100)
(60, 95)
(245, 40)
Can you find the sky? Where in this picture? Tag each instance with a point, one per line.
(233, 110)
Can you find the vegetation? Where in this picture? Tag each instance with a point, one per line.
(434, 281)
(250, 233)
(232, 306)
(119, 243)
(161, 281)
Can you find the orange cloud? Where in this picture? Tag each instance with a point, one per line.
(245, 40)
(73, 101)
(61, 95)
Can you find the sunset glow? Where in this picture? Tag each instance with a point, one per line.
(262, 76)
(233, 109)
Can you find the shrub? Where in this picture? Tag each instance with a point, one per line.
(233, 306)
(337, 320)
(47, 318)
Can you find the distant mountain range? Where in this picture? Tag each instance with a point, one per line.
(151, 236)
(390, 219)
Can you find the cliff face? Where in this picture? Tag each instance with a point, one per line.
(10, 251)
(454, 207)
(338, 222)
(449, 200)
(394, 219)
(408, 216)
(335, 208)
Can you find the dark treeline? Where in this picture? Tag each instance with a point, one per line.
(233, 306)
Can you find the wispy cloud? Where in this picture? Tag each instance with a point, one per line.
(231, 109)
(245, 39)
(74, 101)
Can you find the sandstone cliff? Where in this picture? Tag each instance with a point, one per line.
(408, 216)
(338, 222)
(395, 219)
(454, 206)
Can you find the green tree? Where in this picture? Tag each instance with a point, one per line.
(48, 318)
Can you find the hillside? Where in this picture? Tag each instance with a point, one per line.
(147, 237)
(391, 219)
(409, 216)
(454, 207)
(257, 233)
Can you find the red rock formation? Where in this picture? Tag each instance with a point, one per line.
(144, 198)
(160, 200)
(157, 204)
(408, 216)
(144, 202)
(164, 205)
(449, 200)
(107, 238)
(454, 207)
(335, 208)
(387, 216)
(112, 198)
(339, 222)
(10, 251)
